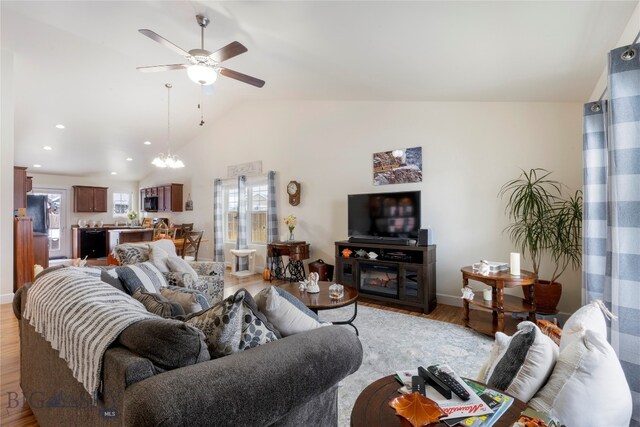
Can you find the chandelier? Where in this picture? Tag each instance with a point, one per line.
(168, 160)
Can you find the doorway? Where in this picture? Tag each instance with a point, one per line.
(57, 201)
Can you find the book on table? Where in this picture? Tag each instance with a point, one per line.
(454, 407)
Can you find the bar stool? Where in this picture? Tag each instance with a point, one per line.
(251, 258)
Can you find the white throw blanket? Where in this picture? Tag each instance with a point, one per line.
(81, 316)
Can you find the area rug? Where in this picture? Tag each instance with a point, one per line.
(395, 341)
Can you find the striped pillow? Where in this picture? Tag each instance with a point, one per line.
(144, 275)
(157, 304)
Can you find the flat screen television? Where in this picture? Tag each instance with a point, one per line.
(384, 214)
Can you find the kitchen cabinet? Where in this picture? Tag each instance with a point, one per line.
(41, 249)
(169, 197)
(19, 187)
(89, 199)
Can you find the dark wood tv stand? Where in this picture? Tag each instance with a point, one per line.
(415, 267)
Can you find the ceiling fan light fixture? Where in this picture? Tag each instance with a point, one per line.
(202, 74)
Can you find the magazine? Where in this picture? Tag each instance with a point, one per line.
(454, 407)
(497, 401)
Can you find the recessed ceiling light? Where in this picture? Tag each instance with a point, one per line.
(37, 166)
(147, 143)
(129, 159)
(114, 173)
(60, 126)
(46, 147)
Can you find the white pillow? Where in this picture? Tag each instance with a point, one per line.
(499, 346)
(166, 245)
(286, 317)
(524, 363)
(587, 386)
(588, 317)
(158, 258)
(178, 265)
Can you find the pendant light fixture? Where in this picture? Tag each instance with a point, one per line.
(168, 161)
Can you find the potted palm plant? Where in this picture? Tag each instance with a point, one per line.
(543, 222)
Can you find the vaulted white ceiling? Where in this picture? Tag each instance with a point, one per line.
(75, 63)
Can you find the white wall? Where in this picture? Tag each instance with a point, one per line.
(629, 33)
(6, 177)
(469, 151)
(67, 183)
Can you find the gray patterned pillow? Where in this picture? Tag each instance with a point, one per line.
(128, 253)
(158, 304)
(144, 275)
(233, 325)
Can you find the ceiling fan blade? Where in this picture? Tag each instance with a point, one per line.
(163, 41)
(168, 67)
(241, 77)
(228, 52)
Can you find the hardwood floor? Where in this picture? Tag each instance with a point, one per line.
(14, 413)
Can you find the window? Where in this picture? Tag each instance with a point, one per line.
(121, 204)
(232, 214)
(256, 211)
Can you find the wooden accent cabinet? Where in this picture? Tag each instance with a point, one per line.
(23, 251)
(41, 249)
(89, 199)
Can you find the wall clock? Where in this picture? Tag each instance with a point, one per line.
(293, 190)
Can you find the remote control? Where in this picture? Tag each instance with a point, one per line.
(435, 382)
(451, 382)
(417, 385)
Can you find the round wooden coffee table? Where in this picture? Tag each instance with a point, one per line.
(321, 300)
(372, 407)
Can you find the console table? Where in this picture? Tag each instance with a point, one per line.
(297, 251)
(399, 274)
(500, 303)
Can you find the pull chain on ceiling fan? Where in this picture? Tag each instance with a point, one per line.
(203, 66)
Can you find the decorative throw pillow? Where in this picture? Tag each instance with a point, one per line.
(111, 277)
(158, 258)
(187, 300)
(587, 386)
(168, 343)
(550, 329)
(178, 265)
(297, 303)
(233, 325)
(130, 253)
(143, 275)
(183, 280)
(158, 304)
(166, 245)
(524, 363)
(286, 317)
(588, 317)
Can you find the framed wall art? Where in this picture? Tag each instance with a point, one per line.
(399, 166)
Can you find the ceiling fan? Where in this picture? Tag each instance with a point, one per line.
(203, 66)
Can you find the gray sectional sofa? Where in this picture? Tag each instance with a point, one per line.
(289, 382)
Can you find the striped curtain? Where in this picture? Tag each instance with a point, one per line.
(241, 242)
(272, 211)
(611, 259)
(218, 222)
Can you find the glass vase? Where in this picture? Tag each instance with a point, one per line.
(291, 238)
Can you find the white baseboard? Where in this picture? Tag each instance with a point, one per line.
(6, 298)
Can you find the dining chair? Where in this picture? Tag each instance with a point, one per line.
(191, 244)
(183, 229)
(162, 231)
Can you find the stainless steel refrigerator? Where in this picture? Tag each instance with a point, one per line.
(38, 209)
